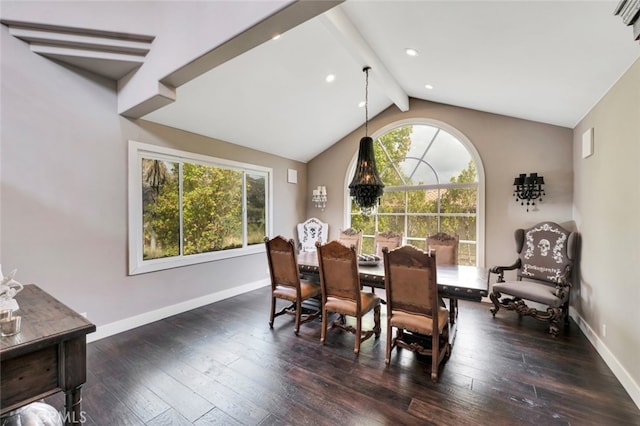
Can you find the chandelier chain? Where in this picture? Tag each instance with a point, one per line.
(366, 101)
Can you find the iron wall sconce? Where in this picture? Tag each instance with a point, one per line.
(529, 189)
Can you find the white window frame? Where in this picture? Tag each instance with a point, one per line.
(475, 156)
(139, 150)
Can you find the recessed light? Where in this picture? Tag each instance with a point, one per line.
(428, 86)
(411, 52)
(330, 78)
(275, 37)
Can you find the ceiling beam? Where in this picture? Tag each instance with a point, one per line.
(348, 35)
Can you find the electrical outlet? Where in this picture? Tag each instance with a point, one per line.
(604, 330)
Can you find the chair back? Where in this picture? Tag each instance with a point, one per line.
(411, 282)
(546, 252)
(283, 266)
(445, 247)
(339, 275)
(350, 237)
(388, 239)
(311, 231)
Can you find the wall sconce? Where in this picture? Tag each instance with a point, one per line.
(528, 188)
(319, 197)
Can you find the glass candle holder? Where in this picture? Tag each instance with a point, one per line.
(10, 326)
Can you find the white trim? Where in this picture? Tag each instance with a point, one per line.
(167, 311)
(623, 376)
(136, 263)
(475, 155)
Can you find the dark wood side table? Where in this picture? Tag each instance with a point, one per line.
(49, 355)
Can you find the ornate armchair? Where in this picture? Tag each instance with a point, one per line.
(310, 231)
(546, 253)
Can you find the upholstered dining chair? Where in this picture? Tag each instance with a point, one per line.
(413, 306)
(389, 239)
(445, 247)
(286, 282)
(341, 294)
(350, 237)
(311, 231)
(546, 254)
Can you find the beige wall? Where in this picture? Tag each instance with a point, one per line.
(63, 216)
(607, 214)
(507, 146)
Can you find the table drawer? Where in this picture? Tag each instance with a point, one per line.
(28, 375)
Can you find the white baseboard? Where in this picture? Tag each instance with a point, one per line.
(630, 385)
(167, 311)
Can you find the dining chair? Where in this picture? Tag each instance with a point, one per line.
(413, 306)
(389, 239)
(311, 231)
(445, 247)
(286, 282)
(350, 237)
(341, 293)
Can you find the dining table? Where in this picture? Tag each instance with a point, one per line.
(455, 282)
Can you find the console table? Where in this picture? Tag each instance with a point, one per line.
(47, 356)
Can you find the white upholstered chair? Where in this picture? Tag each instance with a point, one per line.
(311, 231)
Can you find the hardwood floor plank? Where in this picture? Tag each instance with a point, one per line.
(217, 417)
(169, 417)
(104, 408)
(222, 364)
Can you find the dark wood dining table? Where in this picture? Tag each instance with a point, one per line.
(454, 281)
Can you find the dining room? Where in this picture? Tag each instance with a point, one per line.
(183, 334)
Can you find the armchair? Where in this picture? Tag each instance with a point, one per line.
(546, 253)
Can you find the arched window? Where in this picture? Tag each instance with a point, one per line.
(433, 180)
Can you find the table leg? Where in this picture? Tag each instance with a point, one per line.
(73, 414)
(453, 310)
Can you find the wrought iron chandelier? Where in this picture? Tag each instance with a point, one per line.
(366, 188)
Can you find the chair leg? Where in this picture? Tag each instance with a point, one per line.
(298, 315)
(273, 311)
(323, 332)
(387, 357)
(554, 320)
(495, 298)
(356, 348)
(435, 355)
(376, 321)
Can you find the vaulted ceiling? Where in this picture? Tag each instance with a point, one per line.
(547, 61)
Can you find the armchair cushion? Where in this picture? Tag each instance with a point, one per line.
(538, 292)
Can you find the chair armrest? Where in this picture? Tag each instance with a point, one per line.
(500, 270)
(564, 283)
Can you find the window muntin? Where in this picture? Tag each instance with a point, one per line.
(186, 208)
(431, 185)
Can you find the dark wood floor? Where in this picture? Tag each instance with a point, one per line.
(222, 364)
